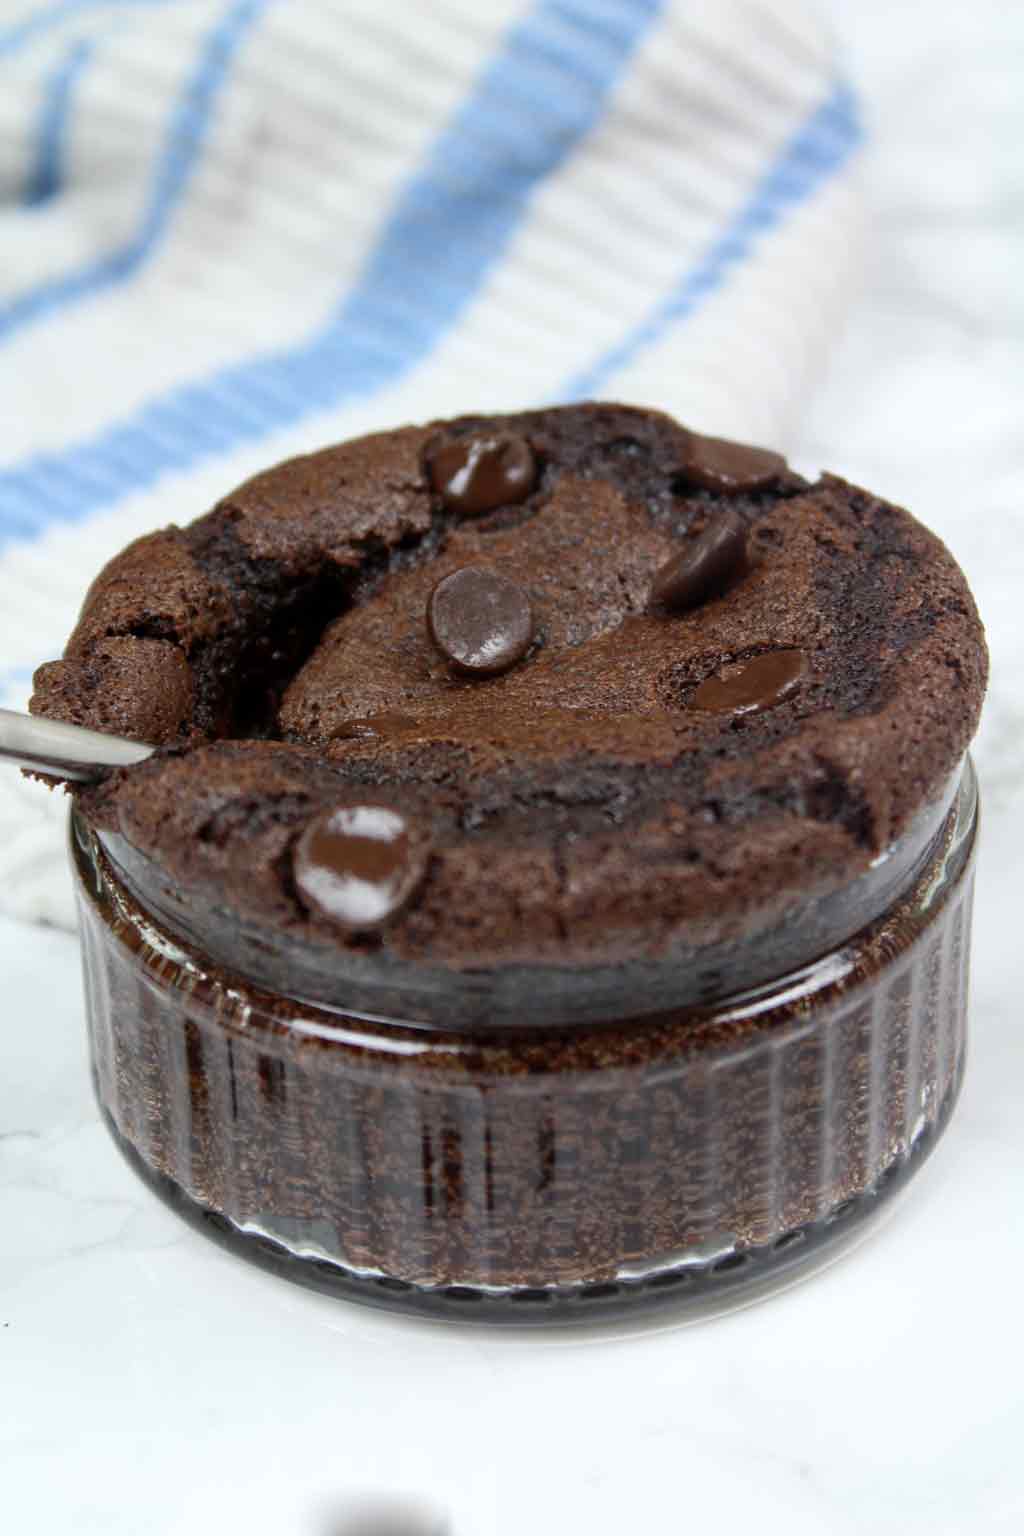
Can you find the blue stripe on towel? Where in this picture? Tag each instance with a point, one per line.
(47, 172)
(819, 149)
(187, 135)
(449, 227)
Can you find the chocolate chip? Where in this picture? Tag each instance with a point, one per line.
(756, 684)
(372, 727)
(359, 865)
(478, 474)
(707, 565)
(479, 620)
(729, 468)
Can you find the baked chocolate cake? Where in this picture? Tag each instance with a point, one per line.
(552, 885)
(660, 780)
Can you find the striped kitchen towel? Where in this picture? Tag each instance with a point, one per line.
(238, 229)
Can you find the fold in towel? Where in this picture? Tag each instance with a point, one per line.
(235, 230)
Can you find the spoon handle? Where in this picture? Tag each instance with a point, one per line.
(66, 751)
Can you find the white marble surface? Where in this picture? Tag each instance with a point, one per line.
(149, 1383)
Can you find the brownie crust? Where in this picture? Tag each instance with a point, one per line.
(582, 813)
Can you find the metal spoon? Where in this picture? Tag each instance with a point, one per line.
(66, 751)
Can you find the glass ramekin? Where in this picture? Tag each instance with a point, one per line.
(685, 1159)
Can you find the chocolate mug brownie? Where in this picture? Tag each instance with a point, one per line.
(552, 890)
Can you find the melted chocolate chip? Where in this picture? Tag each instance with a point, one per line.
(757, 684)
(479, 620)
(359, 865)
(729, 468)
(479, 474)
(372, 727)
(707, 565)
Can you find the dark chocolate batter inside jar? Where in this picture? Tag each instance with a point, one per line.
(552, 893)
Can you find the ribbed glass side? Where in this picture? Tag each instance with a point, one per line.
(530, 1175)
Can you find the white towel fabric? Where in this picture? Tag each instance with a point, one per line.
(234, 230)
